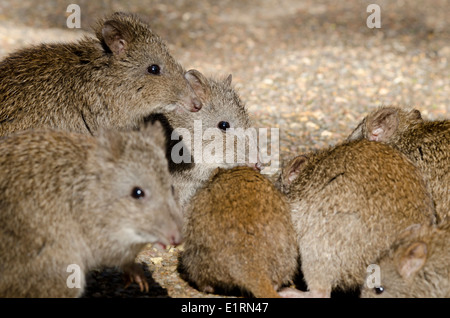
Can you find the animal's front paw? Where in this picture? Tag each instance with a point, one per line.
(134, 273)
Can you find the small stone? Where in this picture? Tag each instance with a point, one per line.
(339, 99)
(311, 125)
(156, 260)
(383, 91)
(326, 134)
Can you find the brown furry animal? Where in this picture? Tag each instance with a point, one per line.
(69, 198)
(425, 142)
(417, 265)
(111, 81)
(348, 204)
(192, 134)
(239, 234)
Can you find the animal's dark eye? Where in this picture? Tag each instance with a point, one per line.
(223, 125)
(154, 69)
(173, 189)
(137, 193)
(379, 290)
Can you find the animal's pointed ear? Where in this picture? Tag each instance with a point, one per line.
(214, 173)
(228, 80)
(116, 36)
(410, 261)
(111, 144)
(410, 231)
(293, 168)
(156, 132)
(359, 132)
(415, 114)
(199, 83)
(382, 124)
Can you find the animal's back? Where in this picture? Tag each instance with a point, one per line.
(354, 201)
(44, 86)
(239, 232)
(28, 237)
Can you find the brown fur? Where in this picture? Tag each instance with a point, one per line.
(348, 204)
(426, 143)
(95, 83)
(65, 198)
(221, 103)
(417, 265)
(239, 234)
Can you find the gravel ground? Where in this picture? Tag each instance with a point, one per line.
(311, 68)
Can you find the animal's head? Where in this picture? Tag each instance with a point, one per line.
(220, 135)
(386, 124)
(132, 196)
(141, 65)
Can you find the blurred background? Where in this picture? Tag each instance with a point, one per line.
(312, 68)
